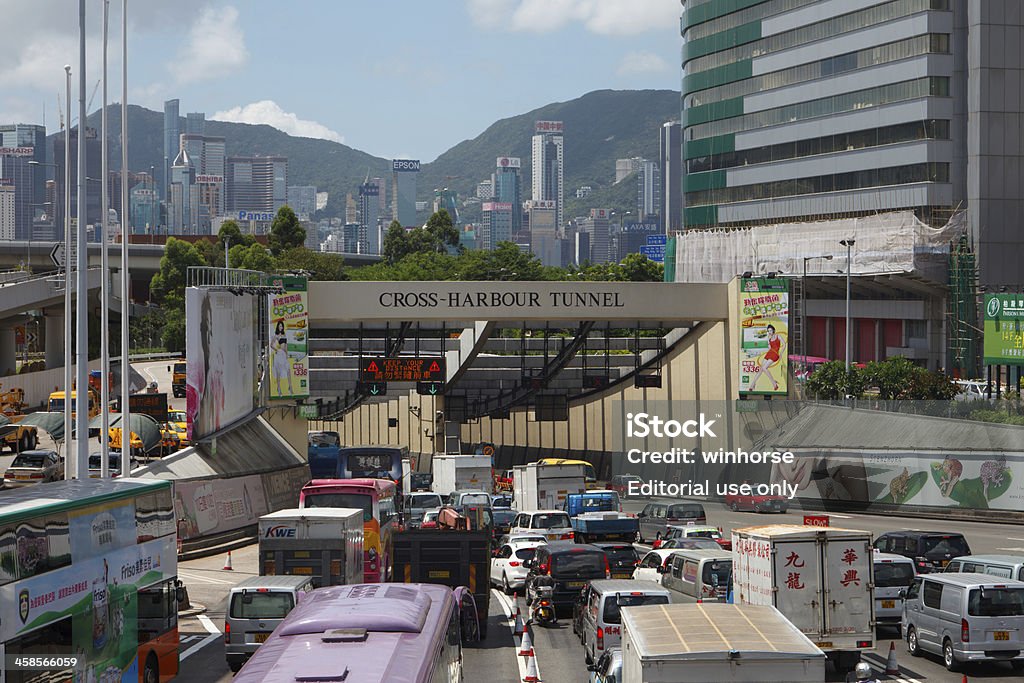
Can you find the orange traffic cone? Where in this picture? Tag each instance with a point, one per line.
(227, 563)
(965, 679)
(520, 627)
(526, 646)
(891, 667)
(532, 676)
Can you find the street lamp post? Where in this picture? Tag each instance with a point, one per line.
(803, 308)
(848, 243)
(70, 470)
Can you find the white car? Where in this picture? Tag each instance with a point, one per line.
(648, 567)
(507, 568)
(553, 524)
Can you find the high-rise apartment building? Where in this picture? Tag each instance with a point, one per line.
(507, 183)
(598, 227)
(93, 169)
(548, 165)
(172, 140)
(495, 224)
(369, 216)
(403, 191)
(207, 154)
(648, 191)
(302, 199)
(670, 157)
(544, 229)
(256, 184)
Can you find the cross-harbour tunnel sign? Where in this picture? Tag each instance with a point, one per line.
(517, 301)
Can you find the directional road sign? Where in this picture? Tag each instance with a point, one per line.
(655, 252)
(429, 388)
(58, 254)
(657, 239)
(371, 388)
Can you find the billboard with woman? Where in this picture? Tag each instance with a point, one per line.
(764, 345)
(289, 330)
(221, 350)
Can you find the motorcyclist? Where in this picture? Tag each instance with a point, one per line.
(541, 586)
(862, 674)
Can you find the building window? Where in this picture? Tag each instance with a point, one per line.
(744, 16)
(836, 182)
(821, 30)
(826, 106)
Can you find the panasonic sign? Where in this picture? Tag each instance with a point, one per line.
(266, 216)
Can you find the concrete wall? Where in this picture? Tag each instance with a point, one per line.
(39, 385)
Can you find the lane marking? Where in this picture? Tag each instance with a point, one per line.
(1017, 549)
(510, 609)
(214, 635)
(204, 579)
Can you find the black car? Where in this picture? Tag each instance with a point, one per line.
(930, 550)
(571, 565)
(502, 520)
(622, 558)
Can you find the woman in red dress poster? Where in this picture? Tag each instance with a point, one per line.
(776, 345)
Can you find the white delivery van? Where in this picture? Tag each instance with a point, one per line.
(545, 487)
(461, 472)
(894, 574)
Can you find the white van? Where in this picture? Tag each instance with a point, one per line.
(966, 618)
(554, 525)
(894, 574)
(601, 618)
(704, 575)
(1002, 566)
(255, 607)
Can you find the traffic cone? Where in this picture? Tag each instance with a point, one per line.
(520, 627)
(964, 679)
(531, 671)
(227, 563)
(891, 667)
(526, 646)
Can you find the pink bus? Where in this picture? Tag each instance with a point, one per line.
(369, 633)
(377, 499)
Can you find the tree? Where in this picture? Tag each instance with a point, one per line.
(396, 243)
(442, 230)
(232, 234)
(892, 376)
(168, 285)
(285, 231)
(211, 255)
(639, 268)
(319, 265)
(931, 386)
(253, 257)
(506, 262)
(173, 333)
(831, 382)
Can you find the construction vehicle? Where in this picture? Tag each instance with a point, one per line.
(178, 378)
(18, 437)
(55, 404)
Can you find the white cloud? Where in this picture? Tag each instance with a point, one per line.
(268, 112)
(641, 63)
(604, 17)
(215, 47)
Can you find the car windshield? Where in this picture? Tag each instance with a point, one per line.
(578, 563)
(475, 499)
(551, 521)
(996, 602)
(889, 574)
(501, 502)
(707, 533)
(359, 501)
(323, 439)
(96, 461)
(684, 511)
(690, 544)
(430, 516)
(504, 517)
(422, 501)
(525, 554)
(613, 604)
(177, 416)
(260, 605)
(621, 556)
(945, 545)
(29, 460)
(718, 573)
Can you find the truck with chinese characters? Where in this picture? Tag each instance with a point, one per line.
(819, 578)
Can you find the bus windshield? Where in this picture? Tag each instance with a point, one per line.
(359, 501)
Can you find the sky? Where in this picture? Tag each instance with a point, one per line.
(394, 78)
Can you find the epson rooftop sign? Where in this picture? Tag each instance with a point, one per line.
(399, 165)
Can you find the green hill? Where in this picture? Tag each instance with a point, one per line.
(600, 127)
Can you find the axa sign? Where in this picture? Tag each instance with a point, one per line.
(280, 531)
(405, 165)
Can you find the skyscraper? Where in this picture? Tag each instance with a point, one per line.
(496, 224)
(648, 191)
(403, 191)
(369, 215)
(21, 143)
(671, 155)
(449, 201)
(207, 154)
(183, 206)
(93, 169)
(172, 131)
(544, 242)
(195, 123)
(302, 199)
(144, 206)
(508, 188)
(548, 166)
(597, 228)
(256, 184)
(7, 223)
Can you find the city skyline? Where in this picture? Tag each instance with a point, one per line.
(205, 53)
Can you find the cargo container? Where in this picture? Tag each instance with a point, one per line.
(460, 473)
(545, 487)
(323, 543)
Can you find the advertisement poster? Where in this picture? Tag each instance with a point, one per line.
(764, 340)
(220, 333)
(979, 481)
(289, 331)
(205, 507)
(98, 530)
(1004, 332)
(100, 594)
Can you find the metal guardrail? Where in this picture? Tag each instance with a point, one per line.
(209, 276)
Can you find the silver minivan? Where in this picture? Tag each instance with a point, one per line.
(1002, 566)
(894, 574)
(255, 607)
(699, 575)
(601, 619)
(965, 618)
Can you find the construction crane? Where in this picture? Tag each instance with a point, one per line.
(93, 96)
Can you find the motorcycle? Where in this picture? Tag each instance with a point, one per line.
(543, 609)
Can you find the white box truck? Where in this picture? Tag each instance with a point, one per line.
(820, 578)
(545, 487)
(716, 643)
(324, 543)
(460, 473)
